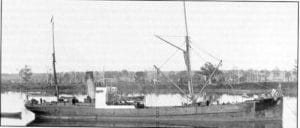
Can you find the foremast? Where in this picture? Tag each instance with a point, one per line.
(53, 61)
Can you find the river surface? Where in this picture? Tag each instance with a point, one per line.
(14, 102)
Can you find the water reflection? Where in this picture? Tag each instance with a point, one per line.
(14, 102)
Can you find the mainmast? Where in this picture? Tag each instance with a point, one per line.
(187, 55)
(53, 61)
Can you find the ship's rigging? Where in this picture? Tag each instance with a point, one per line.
(186, 54)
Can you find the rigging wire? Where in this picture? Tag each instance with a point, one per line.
(194, 45)
(168, 59)
(194, 50)
(171, 36)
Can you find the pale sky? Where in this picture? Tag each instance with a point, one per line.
(116, 35)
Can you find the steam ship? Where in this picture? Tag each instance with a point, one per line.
(262, 109)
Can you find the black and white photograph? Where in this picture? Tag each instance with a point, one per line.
(148, 63)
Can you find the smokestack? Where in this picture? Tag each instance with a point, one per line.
(90, 85)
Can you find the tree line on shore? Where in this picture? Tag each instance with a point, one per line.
(147, 81)
(199, 77)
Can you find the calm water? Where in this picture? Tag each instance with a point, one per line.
(14, 102)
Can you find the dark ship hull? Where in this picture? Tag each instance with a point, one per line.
(257, 110)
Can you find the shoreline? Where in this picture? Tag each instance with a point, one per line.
(288, 89)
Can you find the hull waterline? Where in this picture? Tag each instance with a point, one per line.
(259, 110)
